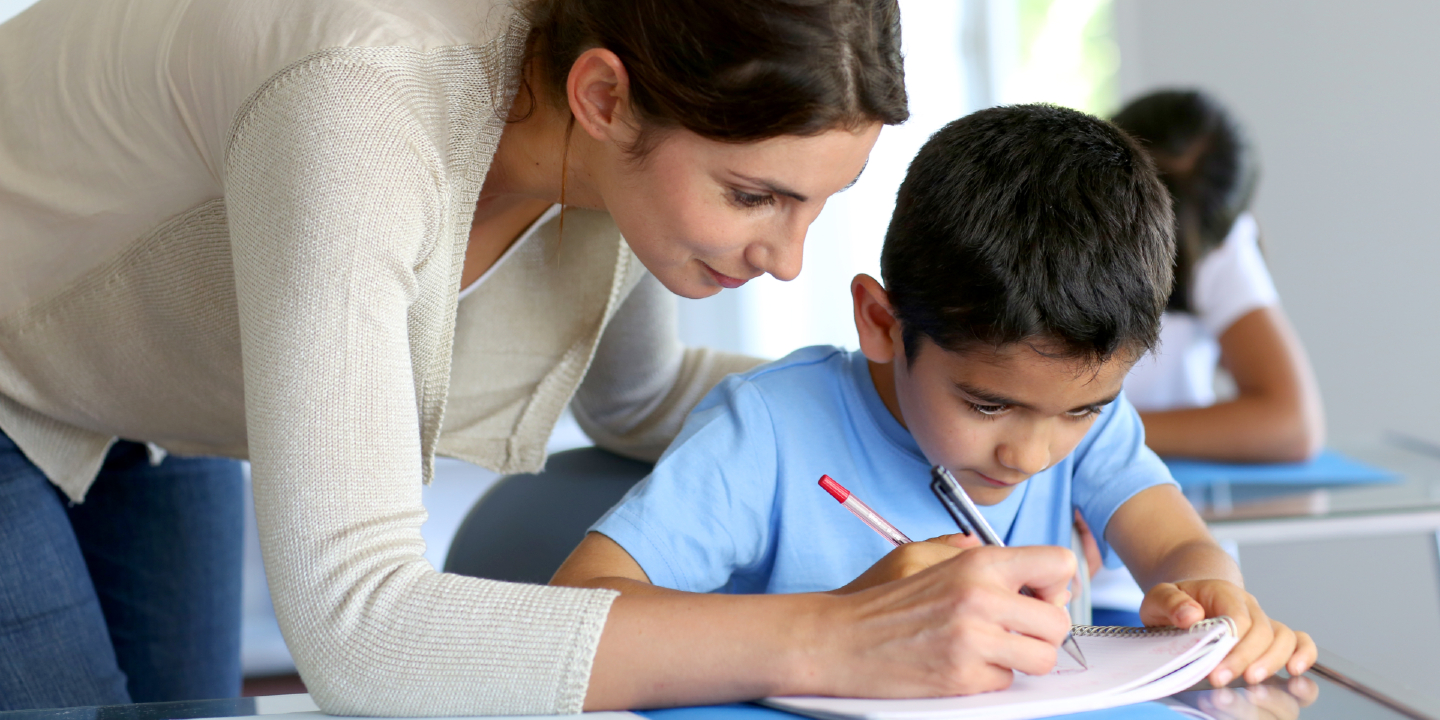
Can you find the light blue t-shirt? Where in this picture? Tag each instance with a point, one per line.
(734, 504)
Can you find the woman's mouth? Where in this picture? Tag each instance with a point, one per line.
(722, 279)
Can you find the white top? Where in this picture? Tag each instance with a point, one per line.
(1229, 282)
(545, 217)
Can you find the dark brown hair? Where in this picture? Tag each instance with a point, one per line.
(732, 70)
(1030, 223)
(1207, 165)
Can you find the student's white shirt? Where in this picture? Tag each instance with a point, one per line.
(1229, 282)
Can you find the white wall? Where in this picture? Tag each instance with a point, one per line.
(1341, 98)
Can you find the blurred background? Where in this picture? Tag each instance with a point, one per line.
(1339, 96)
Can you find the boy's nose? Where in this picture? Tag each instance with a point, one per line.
(1028, 456)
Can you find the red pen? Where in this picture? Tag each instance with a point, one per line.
(863, 511)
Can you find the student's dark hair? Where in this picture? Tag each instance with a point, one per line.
(1205, 161)
(1030, 223)
(732, 70)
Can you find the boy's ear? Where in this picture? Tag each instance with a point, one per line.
(598, 90)
(880, 337)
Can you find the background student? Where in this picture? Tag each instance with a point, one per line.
(1223, 310)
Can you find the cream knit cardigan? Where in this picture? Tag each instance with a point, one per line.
(237, 227)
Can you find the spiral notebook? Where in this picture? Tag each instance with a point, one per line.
(1127, 665)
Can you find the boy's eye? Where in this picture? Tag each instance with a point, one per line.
(750, 200)
(989, 410)
(1083, 413)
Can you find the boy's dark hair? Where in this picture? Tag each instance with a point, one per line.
(1205, 161)
(1030, 223)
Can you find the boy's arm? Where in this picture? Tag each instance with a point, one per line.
(1189, 577)
(599, 562)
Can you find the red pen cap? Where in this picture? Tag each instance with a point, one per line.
(834, 488)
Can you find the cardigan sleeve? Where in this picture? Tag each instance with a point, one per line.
(336, 192)
(643, 382)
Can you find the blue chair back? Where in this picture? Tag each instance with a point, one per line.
(524, 527)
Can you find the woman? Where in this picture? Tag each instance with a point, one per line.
(242, 228)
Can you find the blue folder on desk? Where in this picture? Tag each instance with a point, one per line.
(1328, 468)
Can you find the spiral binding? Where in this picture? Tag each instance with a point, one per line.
(1166, 631)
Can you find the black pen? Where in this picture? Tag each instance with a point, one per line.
(957, 502)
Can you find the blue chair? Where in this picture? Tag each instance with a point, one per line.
(524, 527)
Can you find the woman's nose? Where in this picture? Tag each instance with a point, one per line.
(783, 254)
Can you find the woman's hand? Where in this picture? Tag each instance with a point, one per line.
(911, 558)
(1265, 645)
(958, 627)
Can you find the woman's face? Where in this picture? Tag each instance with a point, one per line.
(704, 215)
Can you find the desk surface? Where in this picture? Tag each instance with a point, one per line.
(1340, 692)
(1417, 491)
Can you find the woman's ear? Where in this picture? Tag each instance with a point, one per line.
(879, 331)
(598, 89)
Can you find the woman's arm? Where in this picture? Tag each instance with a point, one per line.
(338, 202)
(643, 380)
(1188, 577)
(956, 628)
(1276, 416)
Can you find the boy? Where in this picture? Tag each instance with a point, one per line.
(1026, 267)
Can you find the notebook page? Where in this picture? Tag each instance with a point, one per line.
(1123, 669)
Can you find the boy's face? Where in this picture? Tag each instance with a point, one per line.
(994, 418)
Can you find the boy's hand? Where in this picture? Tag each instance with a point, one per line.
(1265, 645)
(909, 559)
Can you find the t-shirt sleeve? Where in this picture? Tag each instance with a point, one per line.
(1112, 464)
(1233, 279)
(705, 511)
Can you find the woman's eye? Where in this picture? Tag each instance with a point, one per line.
(750, 200)
(989, 409)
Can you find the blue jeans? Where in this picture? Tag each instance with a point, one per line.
(133, 595)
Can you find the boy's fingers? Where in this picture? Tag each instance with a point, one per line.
(1167, 604)
(1282, 646)
(1252, 643)
(1232, 601)
(1305, 655)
